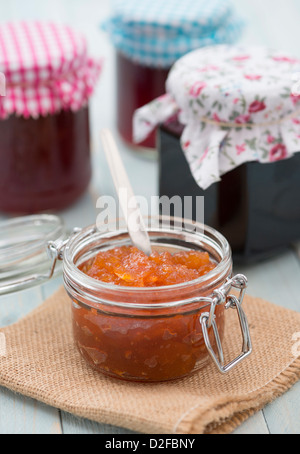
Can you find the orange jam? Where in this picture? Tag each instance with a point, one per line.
(130, 267)
(154, 344)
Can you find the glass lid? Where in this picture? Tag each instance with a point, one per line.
(24, 260)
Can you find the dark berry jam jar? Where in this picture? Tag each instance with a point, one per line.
(136, 85)
(229, 132)
(149, 37)
(251, 205)
(45, 161)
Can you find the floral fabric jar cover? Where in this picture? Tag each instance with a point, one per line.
(237, 105)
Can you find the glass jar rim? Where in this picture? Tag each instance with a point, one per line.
(81, 280)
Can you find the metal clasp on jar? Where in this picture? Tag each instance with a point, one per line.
(208, 320)
(55, 250)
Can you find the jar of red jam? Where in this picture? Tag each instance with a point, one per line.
(149, 36)
(45, 161)
(133, 332)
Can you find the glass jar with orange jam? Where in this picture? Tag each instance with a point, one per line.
(156, 318)
(136, 318)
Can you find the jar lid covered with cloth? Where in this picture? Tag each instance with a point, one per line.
(233, 119)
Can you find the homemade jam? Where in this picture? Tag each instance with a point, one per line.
(44, 162)
(130, 267)
(149, 37)
(135, 317)
(255, 206)
(225, 136)
(145, 344)
(137, 85)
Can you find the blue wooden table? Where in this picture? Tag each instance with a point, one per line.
(274, 23)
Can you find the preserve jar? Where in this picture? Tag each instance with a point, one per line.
(229, 131)
(149, 36)
(143, 334)
(45, 161)
(136, 85)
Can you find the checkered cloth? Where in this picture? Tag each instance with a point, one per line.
(158, 32)
(46, 67)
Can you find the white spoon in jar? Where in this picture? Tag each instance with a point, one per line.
(130, 208)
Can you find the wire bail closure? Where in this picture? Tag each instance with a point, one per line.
(55, 250)
(208, 320)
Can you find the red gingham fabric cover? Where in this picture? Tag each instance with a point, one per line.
(47, 69)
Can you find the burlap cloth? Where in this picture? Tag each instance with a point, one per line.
(41, 362)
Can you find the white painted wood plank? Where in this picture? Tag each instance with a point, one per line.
(19, 414)
(73, 425)
(282, 415)
(256, 425)
(15, 306)
(276, 280)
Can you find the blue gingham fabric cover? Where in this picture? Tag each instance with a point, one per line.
(158, 32)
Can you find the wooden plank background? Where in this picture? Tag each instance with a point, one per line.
(273, 23)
